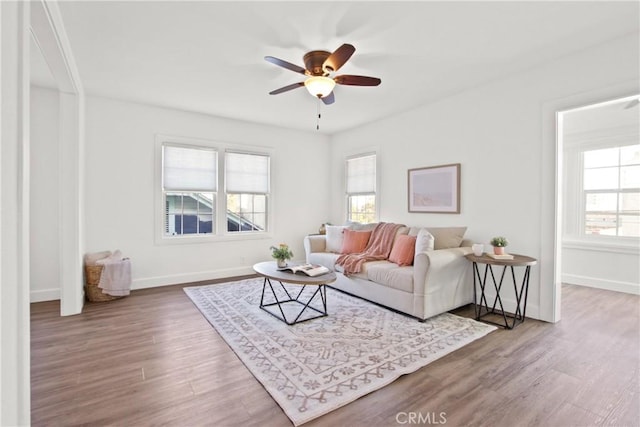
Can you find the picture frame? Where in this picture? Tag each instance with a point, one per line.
(434, 189)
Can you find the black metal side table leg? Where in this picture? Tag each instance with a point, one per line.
(481, 283)
(519, 315)
(481, 307)
(498, 298)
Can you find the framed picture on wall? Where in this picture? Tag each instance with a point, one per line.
(435, 189)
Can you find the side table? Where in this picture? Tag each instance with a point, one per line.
(480, 281)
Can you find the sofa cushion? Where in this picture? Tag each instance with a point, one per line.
(447, 237)
(403, 250)
(389, 274)
(327, 259)
(354, 241)
(335, 237)
(365, 268)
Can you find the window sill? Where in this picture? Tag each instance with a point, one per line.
(630, 246)
(214, 238)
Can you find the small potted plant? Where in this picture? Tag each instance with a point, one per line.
(499, 244)
(281, 253)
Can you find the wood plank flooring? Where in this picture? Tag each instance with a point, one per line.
(152, 359)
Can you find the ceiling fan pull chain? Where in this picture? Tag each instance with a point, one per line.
(318, 119)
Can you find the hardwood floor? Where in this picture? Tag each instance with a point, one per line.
(153, 359)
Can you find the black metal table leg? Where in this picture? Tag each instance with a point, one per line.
(311, 304)
(320, 290)
(481, 307)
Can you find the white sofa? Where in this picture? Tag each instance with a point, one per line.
(438, 281)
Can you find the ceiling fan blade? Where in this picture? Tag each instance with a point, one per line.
(338, 58)
(329, 99)
(357, 80)
(285, 64)
(286, 88)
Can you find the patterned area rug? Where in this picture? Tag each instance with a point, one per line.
(314, 367)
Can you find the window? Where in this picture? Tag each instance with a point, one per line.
(189, 183)
(210, 191)
(611, 191)
(247, 189)
(361, 188)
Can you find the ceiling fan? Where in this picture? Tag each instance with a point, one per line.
(319, 65)
(632, 103)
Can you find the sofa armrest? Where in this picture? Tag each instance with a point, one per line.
(434, 269)
(314, 243)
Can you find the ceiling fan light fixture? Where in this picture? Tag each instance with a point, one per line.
(319, 86)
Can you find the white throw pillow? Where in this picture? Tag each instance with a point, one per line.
(424, 241)
(335, 238)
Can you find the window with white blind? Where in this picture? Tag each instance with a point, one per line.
(210, 191)
(361, 188)
(247, 189)
(189, 185)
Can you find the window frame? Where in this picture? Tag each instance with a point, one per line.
(186, 190)
(574, 216)
(618, 191)
(219, 226)
(375, 193)
(266, 194)
(182, 194)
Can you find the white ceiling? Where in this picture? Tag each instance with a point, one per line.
(208, 56)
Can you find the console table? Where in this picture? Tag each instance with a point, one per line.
(480, 281)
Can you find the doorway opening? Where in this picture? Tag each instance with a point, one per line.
(598, 188)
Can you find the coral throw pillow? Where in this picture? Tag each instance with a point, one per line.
(403, 250)
(355, 241)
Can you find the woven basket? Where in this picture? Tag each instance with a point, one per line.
(92, 292)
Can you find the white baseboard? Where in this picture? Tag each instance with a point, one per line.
(45, 295)
(152, 282)
(609, 285)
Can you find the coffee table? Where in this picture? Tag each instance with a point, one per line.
(289, 299)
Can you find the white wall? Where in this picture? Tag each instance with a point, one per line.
(496, 132)
(612, 268)
(45, 195)
(120, 190)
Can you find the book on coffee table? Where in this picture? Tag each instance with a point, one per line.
(310, 270)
